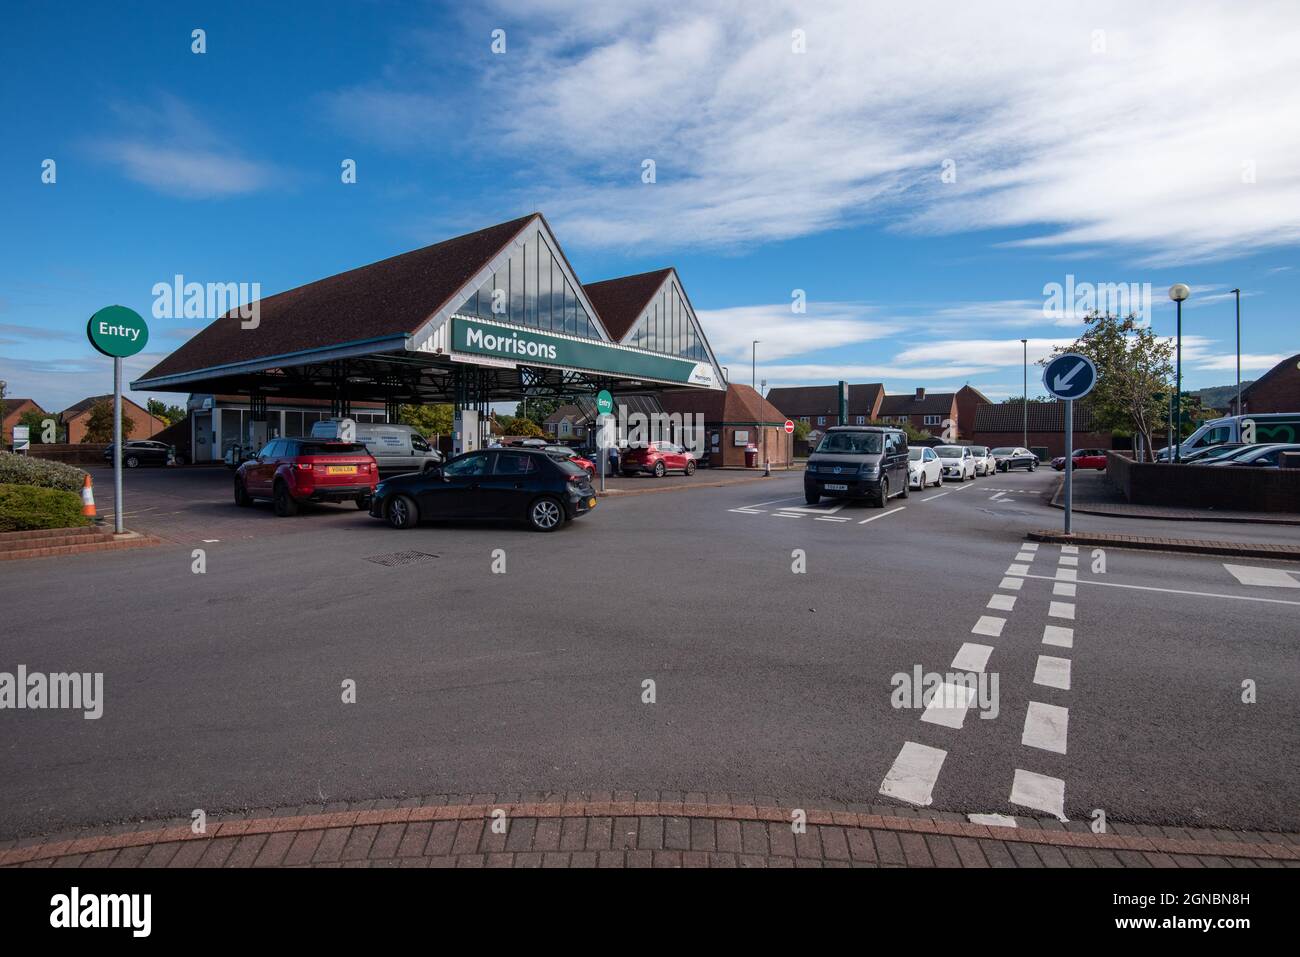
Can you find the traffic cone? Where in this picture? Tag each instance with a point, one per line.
(88, 498)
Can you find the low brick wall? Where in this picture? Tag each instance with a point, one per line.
(1199, 486)
(90, 453)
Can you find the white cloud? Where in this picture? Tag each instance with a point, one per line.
(1144, 145)
(783, 333)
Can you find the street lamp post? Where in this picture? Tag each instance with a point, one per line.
(1178, 292)
(1025, 396)
(1237, 293)
(753, 366)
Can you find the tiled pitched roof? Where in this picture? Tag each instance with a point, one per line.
(394, 296)
(565, 411)
(1043, 417)
(1278, 369)
(908, 404)
(795, 401)
(738, 404)
(619, 302)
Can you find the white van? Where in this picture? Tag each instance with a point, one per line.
(1267, 427)
(396, 448)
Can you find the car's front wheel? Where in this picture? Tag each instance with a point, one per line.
(812, 498)
(132, 462)
(546, 515)
(401, 513)
(1033, 466)
(882, 493)
(690, 467)
(242, 498)
(659, 469)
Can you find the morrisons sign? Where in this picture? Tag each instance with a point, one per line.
(532, 347)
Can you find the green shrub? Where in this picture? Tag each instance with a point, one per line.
(25, 470)
(24, 507)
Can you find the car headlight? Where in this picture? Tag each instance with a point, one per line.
(870, 469)
(812, 468)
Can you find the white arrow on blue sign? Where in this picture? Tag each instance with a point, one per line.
(1070, 376)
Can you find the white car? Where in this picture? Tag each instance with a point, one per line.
(923, 467)
(985, 464)
(957, 461)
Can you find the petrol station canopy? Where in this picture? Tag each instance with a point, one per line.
(485, 317)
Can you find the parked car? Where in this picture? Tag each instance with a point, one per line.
(957, 461)
(529, 444)
(1259, 456)
(984, 461)
(1009, 458)
(1217, 456)
(923, 467)
(523, 484)
(143, 452)
(657, 459)
(396, 447)
(293, 471)
(1083, 459)
(565, 453)
(1212, 452)
(854, 461)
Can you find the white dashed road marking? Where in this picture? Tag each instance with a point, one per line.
(933, 497)
(1061, 609)
(989, 625)
(1268, 577)
(1002, 602)
(1017, 570)
(1046, 726)
(1053, 672)
(913, 774)
(1072, 560)
(1059, 637)
(1039, 792)
(1011, 583)
(949, 705)
(971, 657)
(894, 511)
(1064, 589)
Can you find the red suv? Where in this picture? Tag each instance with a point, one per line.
(657, 458)
(292, 471)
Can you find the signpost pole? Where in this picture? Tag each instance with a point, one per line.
(1069, 462)
(117, 445)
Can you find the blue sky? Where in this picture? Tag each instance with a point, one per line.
(795, 148)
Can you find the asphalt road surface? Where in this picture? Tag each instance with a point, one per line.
(223, 689)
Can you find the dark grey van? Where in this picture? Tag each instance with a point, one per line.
(858, 461)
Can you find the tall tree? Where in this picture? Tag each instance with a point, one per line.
(428, 419)
(1134, 368)
(171, 414)
(99, 428)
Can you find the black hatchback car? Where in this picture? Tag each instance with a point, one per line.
(858, 462)
(143, 452)
(517, 484)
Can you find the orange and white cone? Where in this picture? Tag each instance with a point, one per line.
(88, 498)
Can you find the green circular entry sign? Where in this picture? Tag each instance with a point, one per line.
(604, 402)
(117, 331)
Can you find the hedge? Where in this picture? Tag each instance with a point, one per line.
(25, 470)
(25, 507)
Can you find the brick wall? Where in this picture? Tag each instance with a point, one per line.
(779, 446)
(1280, 392)
(1198, 486)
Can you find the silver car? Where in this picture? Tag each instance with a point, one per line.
(984, 461)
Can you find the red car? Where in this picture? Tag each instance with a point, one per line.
(566, 454)
(1083, 459)
(656, 458)
(292, 471)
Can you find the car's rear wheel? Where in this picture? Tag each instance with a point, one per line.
(1033, 466)
(659, 469)
(242, 498)
(363, 502)
(938, 480)
(690, 467)
(132, 462)
(546, 514)
(285, 506)
(402, 512)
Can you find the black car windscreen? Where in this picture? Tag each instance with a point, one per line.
(851, 443)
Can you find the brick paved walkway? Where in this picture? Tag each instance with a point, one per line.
(642, 829)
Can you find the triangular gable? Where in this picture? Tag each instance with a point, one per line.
(509, 271)
(667, 318)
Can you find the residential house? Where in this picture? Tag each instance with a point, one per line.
(567, 423)
(1277, 390)
(819, 405)
(1003, 424)
(732, 421)
(76, 419)
(14, 410)
(933, 412)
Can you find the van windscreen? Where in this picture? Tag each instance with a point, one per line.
(851, 443)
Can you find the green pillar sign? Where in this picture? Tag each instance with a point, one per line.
(604, 402)
(117, 331)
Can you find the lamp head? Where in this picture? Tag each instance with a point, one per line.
(1179, 291)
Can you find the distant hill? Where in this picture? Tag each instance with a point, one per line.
(1218, 396)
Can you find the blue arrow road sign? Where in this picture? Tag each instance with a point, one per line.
(1070, 376)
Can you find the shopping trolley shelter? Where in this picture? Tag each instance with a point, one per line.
(492, 316)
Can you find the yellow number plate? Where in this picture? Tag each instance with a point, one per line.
(341, 470)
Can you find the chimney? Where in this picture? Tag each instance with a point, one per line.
(920, 393)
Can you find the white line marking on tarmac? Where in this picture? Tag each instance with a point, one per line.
(815, 509)
(1039, 792)
(747, 511)
(1179, 591)
(785, 515)
(1029, 547)
(933, 497)
(949, 704)
(1065, 589)
(989, 625)
(1070, 560)
(1017, 570)
(1067, 575)
(1061, 609)
(912, 776)
(831, 518)
(1046, 726)
(1025, 557)
(992, 820)
(1058, 636)
(883, 515)
(790, 498)
(1069, 549)
(997, 497)
(1053, 672)
(1267, 577)
(1012, 583)
(971, 657)
(1002, 603)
